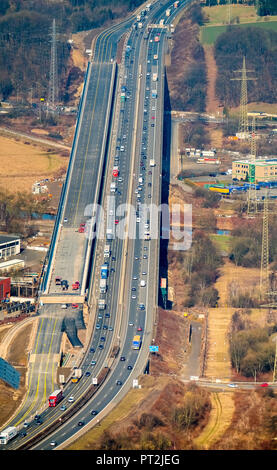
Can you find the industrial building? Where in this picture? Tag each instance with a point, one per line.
(5, 288)
(263, 169)
(9, 246)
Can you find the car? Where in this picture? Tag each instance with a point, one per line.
(92, 350)
(149, 185)
(113, 258)
(105, 327)
(102, 338)
(74, 305)
(53, 443)
(71, 399)
(81, 423)
(116, 221)
(101, 346)
(152, 125)
(134, 296)
(110, 328)
(131, 323)
(141, 306)
(144, 273)
(139, 328)
(93, 412)
(149, 172)
(26, 424)
(87, 374)
(93, 363)
(134, 289)
(134, 278)
(23, 434)
(98, 326)
(118, 382)
(100, 316)
(145, 256)
(64, 306)
(65, 219)
(120, 179)
(232, 385)
(122, 358)
(264, 384)
(107, 315)
(129, 367)
(38, 421)
(63, 408)
(37, 417)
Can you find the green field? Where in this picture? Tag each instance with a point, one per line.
(209, 34)
(223, 242)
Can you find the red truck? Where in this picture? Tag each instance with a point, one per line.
(55, 397)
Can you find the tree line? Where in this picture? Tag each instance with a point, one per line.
(251, 347)
(25, 27)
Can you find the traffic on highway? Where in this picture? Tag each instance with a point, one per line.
(116, 162)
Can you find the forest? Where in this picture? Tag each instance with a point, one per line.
(259, 47)
(25, 27)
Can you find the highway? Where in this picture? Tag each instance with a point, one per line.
(130, 304)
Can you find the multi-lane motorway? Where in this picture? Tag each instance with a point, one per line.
(128, 138)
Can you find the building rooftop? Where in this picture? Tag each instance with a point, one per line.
(259, 161)
(8, 238)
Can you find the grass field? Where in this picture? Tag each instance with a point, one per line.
(209, 34)
(23, 164)
(223, 242)
(218, 20)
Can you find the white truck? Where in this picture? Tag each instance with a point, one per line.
(113, 187)
(107, 251)
(167, 12)
(155, 77)
(103, 286)
(8, 434)
(101, 304)
(139, 24)
(152, 163)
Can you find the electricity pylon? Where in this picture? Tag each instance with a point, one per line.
(229, 8)
(264, 273)
(252, 206)
(243, 113)
(53, 78)
(275, 363)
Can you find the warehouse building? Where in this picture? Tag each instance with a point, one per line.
(264, 169)
(9, 246)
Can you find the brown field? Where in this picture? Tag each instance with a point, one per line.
(220, 417)
(23, 164)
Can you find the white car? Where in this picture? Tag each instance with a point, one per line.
(64, 306)
(71, 399)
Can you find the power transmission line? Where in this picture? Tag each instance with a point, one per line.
(243, 114)
(53, 78)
